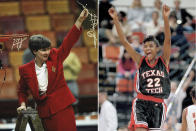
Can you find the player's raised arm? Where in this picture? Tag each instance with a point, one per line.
(167, 40)
(134, 55)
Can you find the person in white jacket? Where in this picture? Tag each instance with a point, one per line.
(108, 120)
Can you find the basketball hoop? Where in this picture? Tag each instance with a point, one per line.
(15, 39)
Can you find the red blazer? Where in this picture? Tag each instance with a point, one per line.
(58, 95)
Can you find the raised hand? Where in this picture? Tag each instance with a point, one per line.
(84, 14)
(81, 18)
(166, 10)
(123, 40)
(113, 13)
(167, 40)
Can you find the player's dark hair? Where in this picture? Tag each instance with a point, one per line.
(193, 92)
(37, 42)
(151, 38)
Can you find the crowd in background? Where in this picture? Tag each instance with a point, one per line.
(53, 19)
(137, 23)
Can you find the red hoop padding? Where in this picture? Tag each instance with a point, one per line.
(3, 39)
(14, 41)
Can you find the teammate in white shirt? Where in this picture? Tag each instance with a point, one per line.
(108, 116)
(189, 114)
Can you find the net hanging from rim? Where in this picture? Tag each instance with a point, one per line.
(94, 22)
(16, 40)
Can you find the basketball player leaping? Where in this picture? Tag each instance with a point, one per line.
(189, 114)
(152, 79)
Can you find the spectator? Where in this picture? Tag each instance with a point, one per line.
(158, 8)
(176, 31)
(112, 35)
(136, 15)
(173, 23)
(104, 19)
(154, 26)
(126, 67)
(135, 43)
(71, 69)
(182, 14)
(177, 102)
(172, 114)
(27, 56)
(126, 70)
(184, 89)
(108, 116)
(183, 17)
(180, 41)
(176, 109)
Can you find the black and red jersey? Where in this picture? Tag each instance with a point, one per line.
(153, 80)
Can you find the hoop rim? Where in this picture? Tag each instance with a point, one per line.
(13, 35)
(4, 38)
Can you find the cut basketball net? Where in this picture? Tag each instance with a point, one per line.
(17, 40)
(94, 22)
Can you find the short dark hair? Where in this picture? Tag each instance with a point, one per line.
(37, 42)
(151, 38)
(193, 92)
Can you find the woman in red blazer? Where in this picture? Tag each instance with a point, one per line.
(44, 78)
